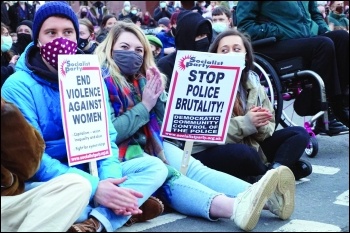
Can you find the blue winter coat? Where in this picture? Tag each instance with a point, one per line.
(35, 91)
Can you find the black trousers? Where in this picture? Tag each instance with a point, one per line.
(326, 54)
(285, 146)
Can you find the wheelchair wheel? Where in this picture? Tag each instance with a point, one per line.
(270, 80)
(312, 148)
(289, 117)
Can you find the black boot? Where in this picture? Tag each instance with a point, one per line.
(341, 109)
(334, 126)
(301, 169)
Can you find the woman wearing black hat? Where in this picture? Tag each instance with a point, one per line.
(24, 37)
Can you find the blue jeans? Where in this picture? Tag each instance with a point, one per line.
(192, 194)
(145, 175)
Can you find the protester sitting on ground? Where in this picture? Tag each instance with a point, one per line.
(86, 40)
(221, 20)
(156, 46)
(252, 123)
(108, 22)
(136, 16)
(306, 34)
(167, 37)
(147, 20)
(120, 187)
(54, 205)
(24, 37)
(8, 59)
(137, 97)
(193, 32)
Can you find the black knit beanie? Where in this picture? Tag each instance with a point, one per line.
(27, 23)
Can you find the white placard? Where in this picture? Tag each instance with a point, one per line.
(83, 108)
(201, 96)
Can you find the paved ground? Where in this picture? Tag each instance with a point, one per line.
(322, 200)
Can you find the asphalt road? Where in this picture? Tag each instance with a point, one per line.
(322, 200)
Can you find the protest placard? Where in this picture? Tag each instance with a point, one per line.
(201, 96)
(83, 105)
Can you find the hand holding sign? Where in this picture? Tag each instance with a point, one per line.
(153, 88)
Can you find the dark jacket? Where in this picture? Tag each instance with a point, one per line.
(188, 23)
(160, 13)
(102, 35)
(281, 19)
(91, 50)
(4, 14)
(15, 16)
(6, 69)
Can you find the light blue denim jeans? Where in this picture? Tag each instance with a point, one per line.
(145, 175)
(192, 194)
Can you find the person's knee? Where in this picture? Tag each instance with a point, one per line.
(339, 34)
(326, 44)
(302, 133)
(157, 166)
(79, 181)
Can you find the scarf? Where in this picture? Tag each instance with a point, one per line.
(125, 98)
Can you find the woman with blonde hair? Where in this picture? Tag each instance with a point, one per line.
(136, 92)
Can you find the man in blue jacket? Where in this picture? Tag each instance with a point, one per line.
(121, 187)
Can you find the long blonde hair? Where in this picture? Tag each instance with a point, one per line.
(105, 49)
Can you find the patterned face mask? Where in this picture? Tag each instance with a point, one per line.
(51, 50)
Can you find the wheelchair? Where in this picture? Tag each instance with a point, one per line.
(283, 82)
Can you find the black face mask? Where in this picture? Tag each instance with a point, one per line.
(339, 9)
(23, 40)
(82, 43)
(83, 14)
(202, 45)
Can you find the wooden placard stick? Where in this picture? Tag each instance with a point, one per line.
(186, 157)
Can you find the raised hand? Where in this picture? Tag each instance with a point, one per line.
(153, 88)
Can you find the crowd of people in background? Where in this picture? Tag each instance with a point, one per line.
(138, 93)
(161, 22)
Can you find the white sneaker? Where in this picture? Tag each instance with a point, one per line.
(248, 205)
(281, 203)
